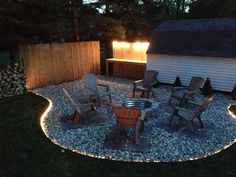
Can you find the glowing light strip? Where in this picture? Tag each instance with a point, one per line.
(108, 157)
(231, 113)
(121, 44)
(135, 45)
(44, 115)
(141, 45)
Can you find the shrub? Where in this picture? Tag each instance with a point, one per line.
(207, 88)
(177, 82)
(233, 93)
(12, 81)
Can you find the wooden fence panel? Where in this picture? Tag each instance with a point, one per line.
(56, 63)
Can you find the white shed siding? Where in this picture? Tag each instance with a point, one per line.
(221, 71)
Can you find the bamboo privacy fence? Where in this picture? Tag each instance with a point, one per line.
(56, 63)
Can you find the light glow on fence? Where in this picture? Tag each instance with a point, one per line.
(141, 45)
(127, 45)
(121, 44)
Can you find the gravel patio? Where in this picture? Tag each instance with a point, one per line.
(166, 144)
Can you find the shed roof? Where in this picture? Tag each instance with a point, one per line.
(203, 37)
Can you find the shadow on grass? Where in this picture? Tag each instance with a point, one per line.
(26, 152)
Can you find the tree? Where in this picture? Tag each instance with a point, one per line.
(74, 11)
(175, 9)
(106, 28)
(212, 9)
(35, 21)
(177, 82)
(207, 88)
(131, 14)
(31, 21)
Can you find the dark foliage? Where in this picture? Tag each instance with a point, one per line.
(177, 82)
(12, 80)
(212, 9)
(58, 20)
(34, 21)
(207, 88)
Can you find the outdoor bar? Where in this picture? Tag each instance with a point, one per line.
(129, 59)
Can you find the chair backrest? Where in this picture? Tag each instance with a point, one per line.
(203, 106)
(126, 117)
(71, 100)
(90, 82)
(196, 83)
(150, 76)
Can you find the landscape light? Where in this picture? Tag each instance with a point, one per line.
(141, 45)
(231, 113)
(134, 46)
(120, 44)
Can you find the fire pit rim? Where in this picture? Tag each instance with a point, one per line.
(137, 103)
(154, 104)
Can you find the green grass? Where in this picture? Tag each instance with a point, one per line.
(26, 152)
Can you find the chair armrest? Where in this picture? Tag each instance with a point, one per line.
(138, 81)
(93, 107)
(106, 86)
(183, 109)
(194, 103)
(175, 89)
(191, 92)
(179, 88)
(153, 83)
(143, 114)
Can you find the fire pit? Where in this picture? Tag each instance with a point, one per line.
(149, 107)
(142, 104)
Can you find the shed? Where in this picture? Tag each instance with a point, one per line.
(186, 48)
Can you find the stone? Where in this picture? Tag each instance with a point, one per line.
(165, 144)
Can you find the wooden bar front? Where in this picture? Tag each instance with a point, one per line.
(130, 69)
(129, 59)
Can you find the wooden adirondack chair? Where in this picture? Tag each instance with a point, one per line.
(91, 84)
(128, 118)
(189, 114)
(81, 110)
(146, 85)
(183, 94)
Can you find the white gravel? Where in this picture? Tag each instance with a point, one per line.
(166, 145)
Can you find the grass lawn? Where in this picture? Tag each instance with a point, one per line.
(26, 152)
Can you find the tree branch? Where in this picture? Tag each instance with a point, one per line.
(166, 8)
